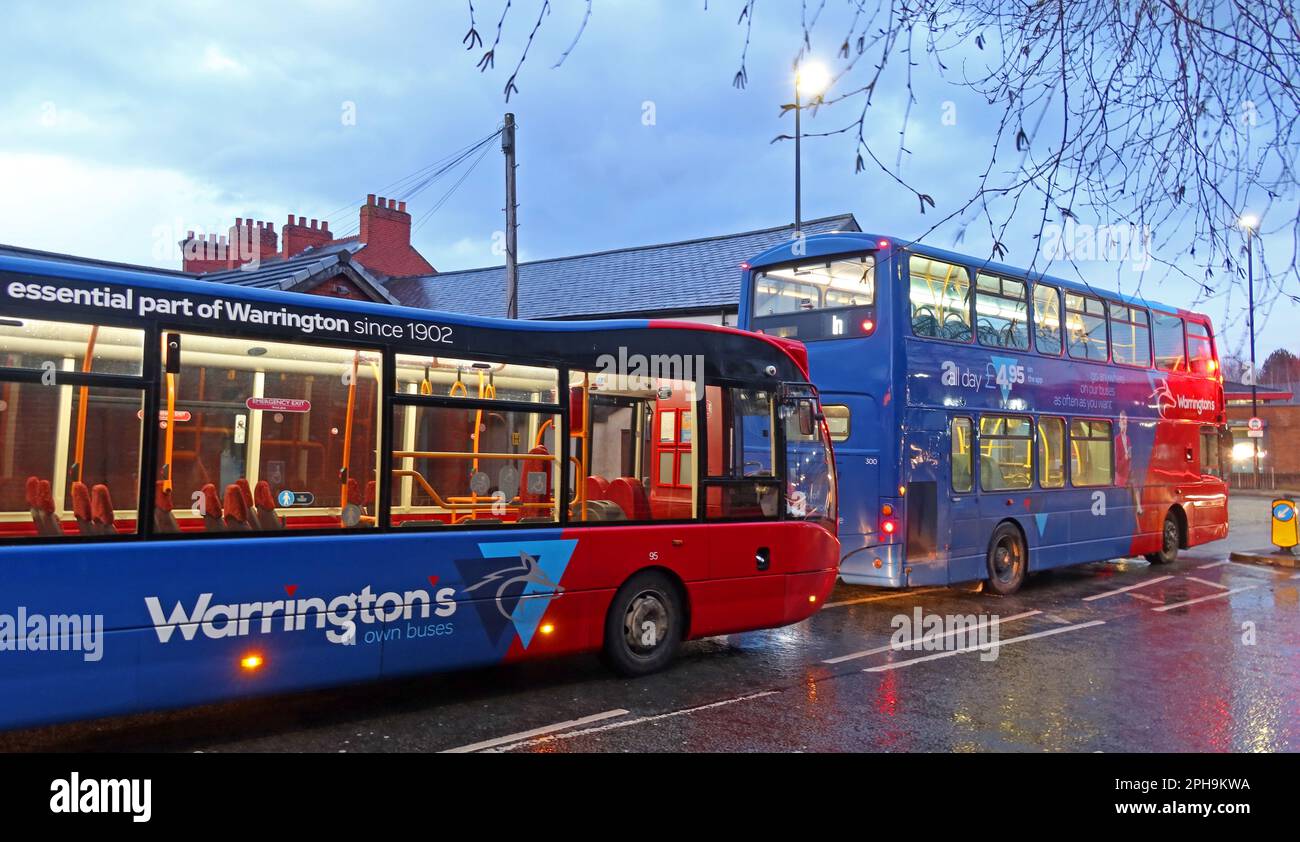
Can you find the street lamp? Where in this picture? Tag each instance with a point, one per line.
(811, 79)
(1250, 223)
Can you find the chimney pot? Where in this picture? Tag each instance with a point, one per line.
(249, 222)
(325, 225)
(370, 198)
(314, 223)
(189, 235)
(401, 206)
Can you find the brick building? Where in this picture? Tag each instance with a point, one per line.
(305, 256)
(1280, 457)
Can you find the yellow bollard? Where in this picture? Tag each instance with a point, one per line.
(1286, 530)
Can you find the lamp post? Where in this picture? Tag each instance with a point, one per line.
(811, 78)
(1249, 223)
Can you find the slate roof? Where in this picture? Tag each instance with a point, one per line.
(693, 276)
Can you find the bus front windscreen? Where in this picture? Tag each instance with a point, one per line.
(809, 463)
(816, 299)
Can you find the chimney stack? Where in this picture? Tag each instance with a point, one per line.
(386, 239)
(300, 236)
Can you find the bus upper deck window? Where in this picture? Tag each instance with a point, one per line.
(1130, 335)
(940, 298)
(1047, 319)
(1001, 313)
(1085, 327)
(1170, 342)
(1200, 349)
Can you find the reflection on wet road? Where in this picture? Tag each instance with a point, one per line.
(1203, 655)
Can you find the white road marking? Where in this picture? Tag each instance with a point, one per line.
(1000, 643)
(930, 637)
(537, 732)
(599, 729)
(879, 597)
(1213, 564)
(1127, 589)
(1173, 605)
(1207, 582)
(1145, 598)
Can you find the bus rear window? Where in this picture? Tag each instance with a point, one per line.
(818, 299)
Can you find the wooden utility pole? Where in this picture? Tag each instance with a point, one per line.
(512, 221)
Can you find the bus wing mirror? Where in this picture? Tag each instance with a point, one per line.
(807, 420)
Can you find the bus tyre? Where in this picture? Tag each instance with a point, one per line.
(644, 626)
(1007, 560)
(1170, 538)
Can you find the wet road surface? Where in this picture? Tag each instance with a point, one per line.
(1201, 655)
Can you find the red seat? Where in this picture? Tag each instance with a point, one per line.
(101, 507)
(354, 492)
(264, 514)
(597, 488)
(41, 503)
(236, 513)
(212, 514)
(163, 519)
(246, 492)
(81, 508)
(368, 502)
(630, 497)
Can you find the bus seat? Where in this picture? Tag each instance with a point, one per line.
(41, 518)
(45, 502)
(101, 507)
(163, 519)
(368, 501)
(212, 516)
(597, 488)
(81, 509)
(354, 492)
(236, 512)
(264, 513)
(246, 492)
(630, 497)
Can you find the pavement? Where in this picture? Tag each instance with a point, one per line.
(1201, 655)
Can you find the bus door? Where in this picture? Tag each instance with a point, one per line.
(854, 421)
(925, 445)
(959, 512)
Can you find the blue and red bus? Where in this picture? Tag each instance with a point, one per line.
(989, 423)
(210, 491)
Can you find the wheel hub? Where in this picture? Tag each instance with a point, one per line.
(645, 626)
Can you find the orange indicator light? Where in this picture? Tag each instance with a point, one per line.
(251, 662)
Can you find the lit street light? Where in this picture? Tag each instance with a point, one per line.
(1249, 223)
(811, 79)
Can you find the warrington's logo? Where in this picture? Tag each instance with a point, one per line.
(514, 597)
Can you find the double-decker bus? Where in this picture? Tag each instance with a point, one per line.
(988, 422)
(210, 491)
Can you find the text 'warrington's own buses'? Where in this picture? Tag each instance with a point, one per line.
(988, 423)
(239, 491)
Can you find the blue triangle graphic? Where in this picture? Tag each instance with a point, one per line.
(552, 558)
(1041, 519)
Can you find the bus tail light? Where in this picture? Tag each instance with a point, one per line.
(868, 327)
(888, 523)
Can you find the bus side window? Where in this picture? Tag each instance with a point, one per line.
(70, 454)
(740, 466)
(284, 434)
(838, 421)
(1006, 461)
(962, 468)
(1001, 314)
(1085, 323)
(1210, 454)
(940, 298)
(1047, 319)
(1092, 453)
(1130, 335)
(1051, 452)
(1171, 347)
(1200, 348)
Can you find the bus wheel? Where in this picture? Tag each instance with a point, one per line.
(1006, 561)
(1170, 537)
(645, 625)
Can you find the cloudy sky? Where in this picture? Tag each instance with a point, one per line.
(124, 125)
